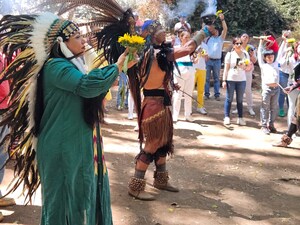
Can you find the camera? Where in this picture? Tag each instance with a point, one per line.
(208, 19)
(250, 48)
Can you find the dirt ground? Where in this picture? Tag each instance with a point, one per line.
(226, 175)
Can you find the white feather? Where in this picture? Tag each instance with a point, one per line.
(40, 29)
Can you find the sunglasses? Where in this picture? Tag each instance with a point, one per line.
(238, 43)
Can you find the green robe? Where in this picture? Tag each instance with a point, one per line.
(74, 179)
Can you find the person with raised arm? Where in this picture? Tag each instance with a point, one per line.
(155, 70)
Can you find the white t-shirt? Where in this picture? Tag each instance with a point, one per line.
(185, 66)
(269, 72)
(235, 73)
(284, 57)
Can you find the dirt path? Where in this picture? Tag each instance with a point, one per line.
(226, 175)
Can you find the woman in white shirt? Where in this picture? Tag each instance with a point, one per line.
(234, 79)
(288, 58)
(186, 82)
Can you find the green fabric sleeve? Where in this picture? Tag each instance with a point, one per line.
(64, 75)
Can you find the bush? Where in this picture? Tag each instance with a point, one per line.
(255, 16)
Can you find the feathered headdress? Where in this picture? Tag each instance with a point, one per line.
(112, 21)
(32, 38)
(109, 21)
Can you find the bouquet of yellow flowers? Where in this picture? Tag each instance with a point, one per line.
(219, 12)
(289, 49)
(291, 40)
(203, 52)
(135, 43)
(244, 62)
(240, 63)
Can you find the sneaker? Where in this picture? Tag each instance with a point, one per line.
(189, 119)
(234, 111)
(251, 112)
(265, 130)
(226, 121)
(218, 98)
(272, 129)
(119, 108)
(281, 113)
(241, 122)
(206, 97)
(202, 111)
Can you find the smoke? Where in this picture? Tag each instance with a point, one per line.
(168, 14)
(210, 9)
(130, 3)
(17, 7)
(188, 9)
(183, 7)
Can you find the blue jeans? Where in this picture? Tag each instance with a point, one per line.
(269, 106)
(123, 84)
(283, 80)
(239, 87)
(213, 66)
(3, 156)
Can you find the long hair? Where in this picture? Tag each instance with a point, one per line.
(144, 67)
(92, 107)
(114, 22)
(269, 32)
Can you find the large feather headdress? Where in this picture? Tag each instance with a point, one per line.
(109, 21)
(32, 38)
(112, 21)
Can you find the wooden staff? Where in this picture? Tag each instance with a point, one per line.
(261, 37)
(284, 91)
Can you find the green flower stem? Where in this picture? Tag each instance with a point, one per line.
(125, 65)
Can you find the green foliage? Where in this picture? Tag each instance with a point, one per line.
(255, 16)
(290, 9)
